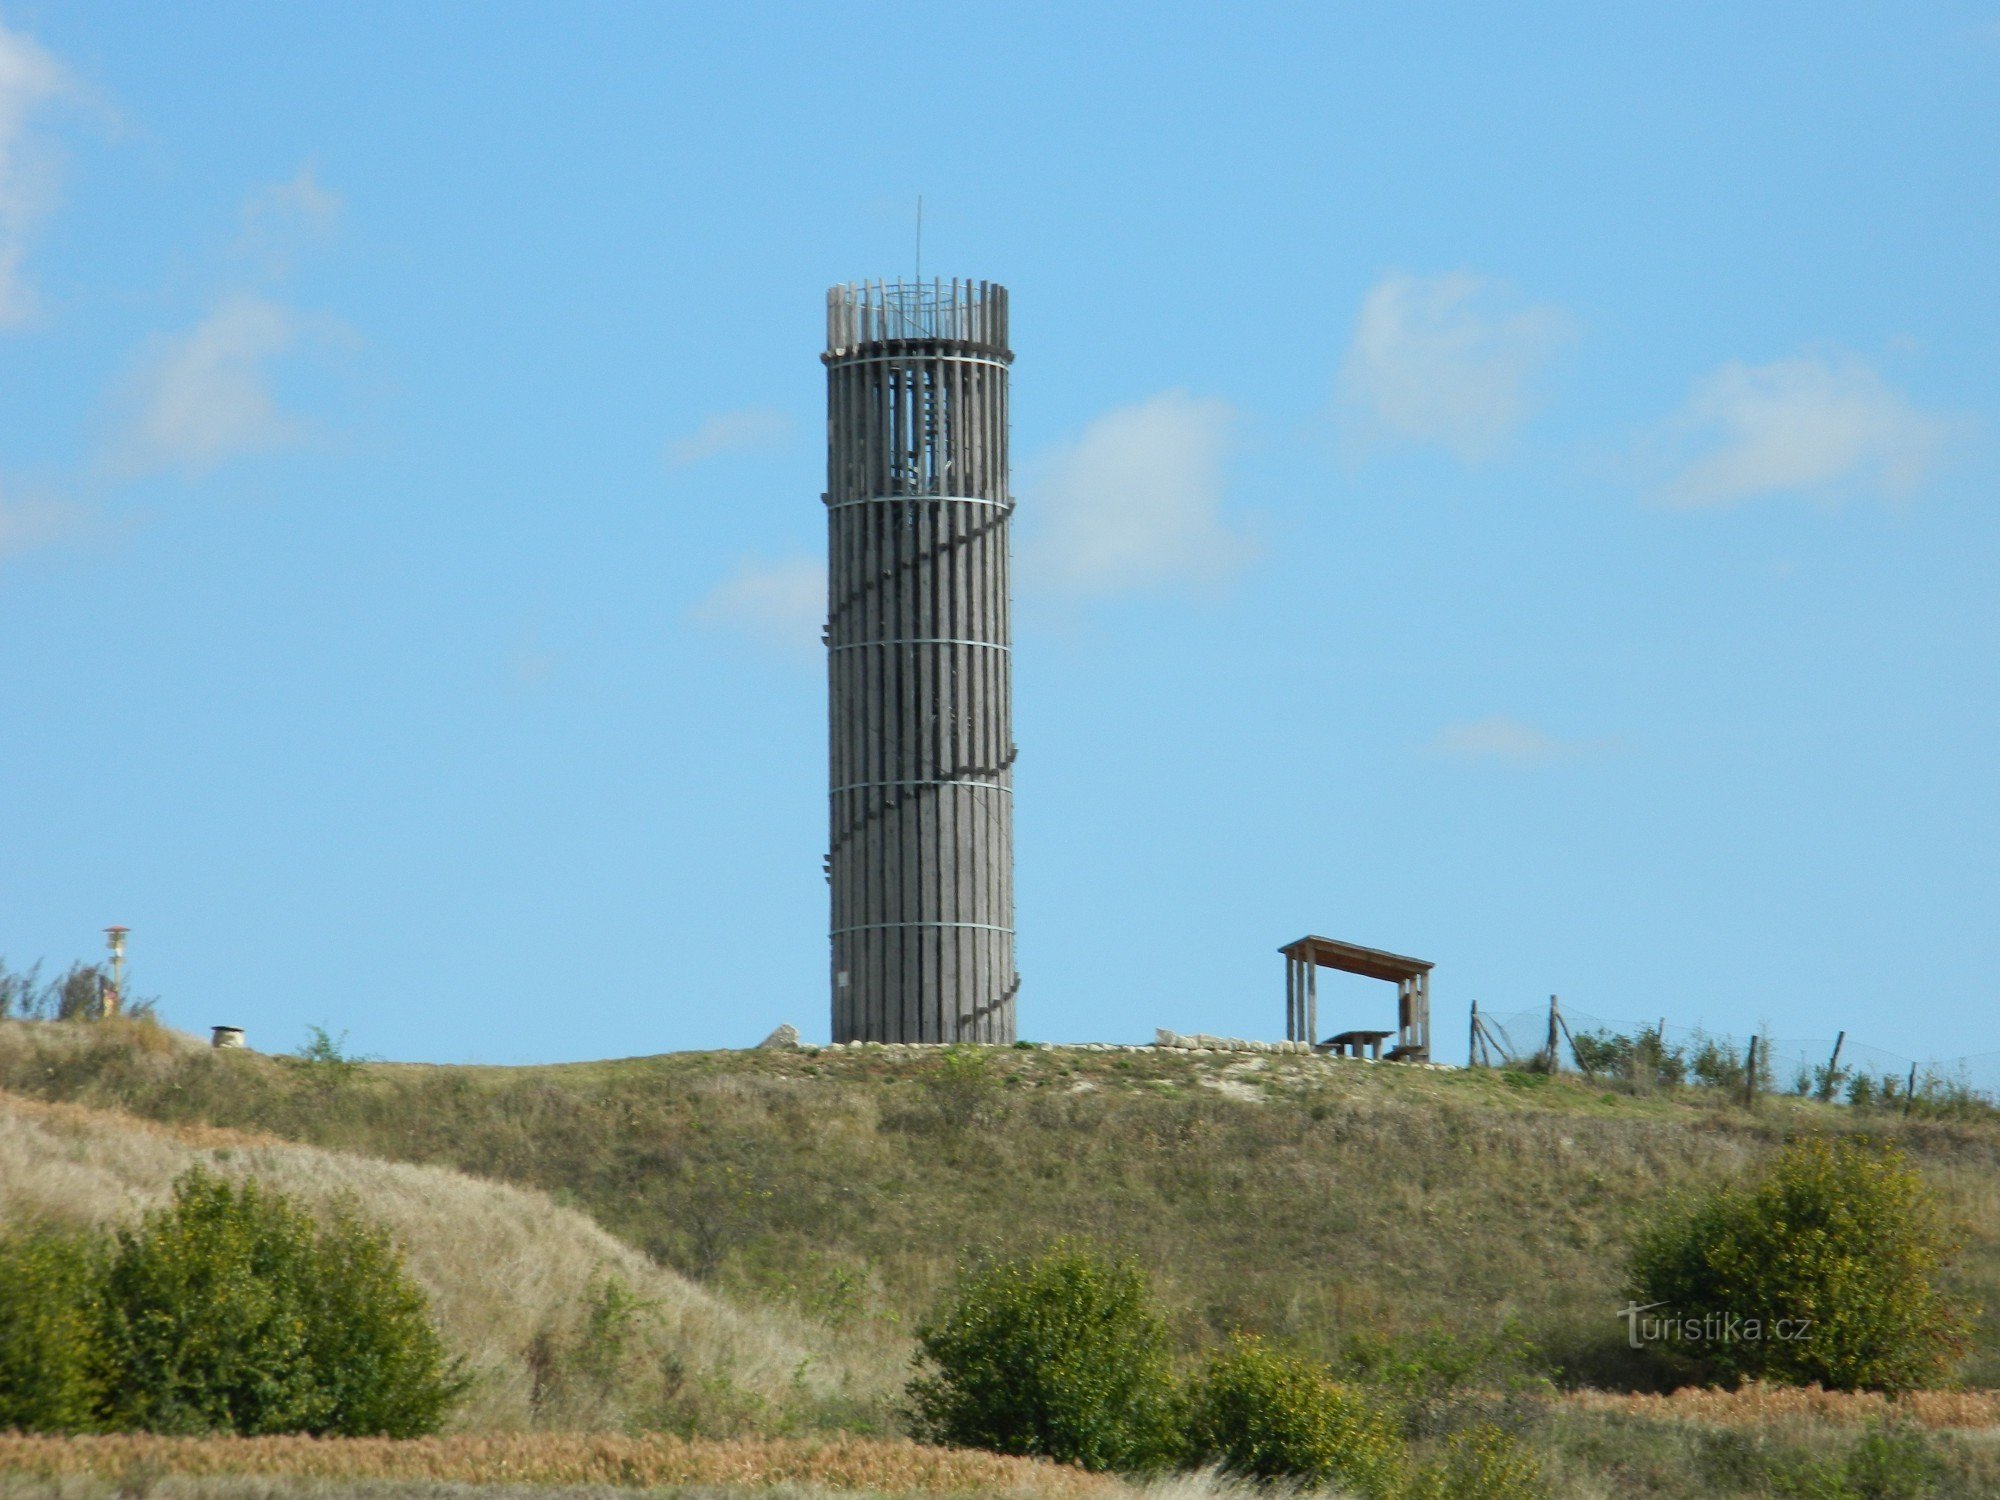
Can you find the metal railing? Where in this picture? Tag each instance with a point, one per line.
(872, 312)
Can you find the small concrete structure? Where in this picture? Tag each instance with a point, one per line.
(1412, 977)
(225, 1036)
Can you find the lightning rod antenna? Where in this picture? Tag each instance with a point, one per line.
(920, 238)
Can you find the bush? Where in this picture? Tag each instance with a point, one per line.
(1061, 1356)
(77, 994)
(232, 1310)
(1892, 1463)
(1642, 1058)
(1481, 1463)
(1824, 1270)
(962, 1091)
(50, 1379)
(1438, 1381)
(1261, 1414)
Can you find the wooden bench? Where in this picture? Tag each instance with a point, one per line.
(1350, 1043)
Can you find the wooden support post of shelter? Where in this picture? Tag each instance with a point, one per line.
(1412, 977)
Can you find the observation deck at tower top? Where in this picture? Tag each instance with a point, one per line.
(864, 313)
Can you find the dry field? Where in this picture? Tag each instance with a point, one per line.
(1756, 1404)
(562, 1459)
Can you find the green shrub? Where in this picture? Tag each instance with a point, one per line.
(1060, 1355)
(231, 1310)
(75, 995)
(50, 1379)
(1265, 1415)
(1437, 1380)
(962, 1091)
(1480, 1463)
(1642, 1058)
(1826, 1269)
(1892, 1463)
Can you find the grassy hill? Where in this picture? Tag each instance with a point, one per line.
(798, 1212)
(1301, 1197)
(519, 1284)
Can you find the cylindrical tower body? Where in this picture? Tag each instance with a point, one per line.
(919, 686)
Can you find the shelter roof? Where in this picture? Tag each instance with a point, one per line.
(1352, 958)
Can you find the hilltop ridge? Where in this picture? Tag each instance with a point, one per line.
(1308, 1198)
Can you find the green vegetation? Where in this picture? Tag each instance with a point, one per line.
(1063, 1355)
(1261, 1414)
(1644, 1062)
(76, 994)
(50, 1314)
(1827, 1269)
(1057, 1356)
(1306, 1201)
(1344, 1213)
(1481, 1463)
(229, 1310)
(1800, 1462)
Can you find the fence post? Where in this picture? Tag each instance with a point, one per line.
(1549, 1050)
(1910, 1093)
(1832, 1069)
(1750, 1075)
(1472, 1039)
(1570, 1037)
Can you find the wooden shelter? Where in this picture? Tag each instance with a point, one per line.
(1411, 976)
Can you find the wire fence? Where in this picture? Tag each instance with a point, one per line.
(1834, 1068)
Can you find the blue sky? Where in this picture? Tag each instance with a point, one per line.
(1511, 485)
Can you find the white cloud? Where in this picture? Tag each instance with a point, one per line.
(29, 79)
(280, 218)
(1445, 359)
(1137, 500)
(780, 604)
(1501, 737)
(205, 395)
(731, 432)
(1826, 423)
(303, 199)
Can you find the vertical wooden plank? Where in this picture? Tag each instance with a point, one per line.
(881, 709)
(998, 679)
(928, 801)
(910, 728)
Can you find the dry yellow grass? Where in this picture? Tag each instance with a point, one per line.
(878, 1466)
(1755, 1404)
(507, 1269)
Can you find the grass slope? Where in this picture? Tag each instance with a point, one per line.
(512, 1277)
(1299, 1197)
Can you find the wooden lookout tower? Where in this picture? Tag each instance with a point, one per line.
(1411, 976)
(921, 743)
